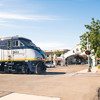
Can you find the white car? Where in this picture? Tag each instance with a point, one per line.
(49, 64)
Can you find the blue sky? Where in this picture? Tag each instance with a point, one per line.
(50, 24)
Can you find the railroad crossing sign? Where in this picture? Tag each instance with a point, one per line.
(87, 52)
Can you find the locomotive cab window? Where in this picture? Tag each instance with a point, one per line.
(17, 43)
(9, 44)
(27, 43)
(21, 44)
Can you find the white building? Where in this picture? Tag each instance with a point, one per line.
(75, 55)
(74, 51)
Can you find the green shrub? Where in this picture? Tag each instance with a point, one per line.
(98, 66)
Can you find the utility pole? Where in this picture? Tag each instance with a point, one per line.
(88, 54)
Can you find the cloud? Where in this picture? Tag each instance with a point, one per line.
(10, 16)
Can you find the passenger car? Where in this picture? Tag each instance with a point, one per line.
(49, 64)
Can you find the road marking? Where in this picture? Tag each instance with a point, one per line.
(18, 96)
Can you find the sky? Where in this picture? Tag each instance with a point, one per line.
(50, 24)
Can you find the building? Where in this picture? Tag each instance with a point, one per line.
(75, 56)
(50, 54)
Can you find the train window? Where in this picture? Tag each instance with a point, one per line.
(21, 44)
(9, 44)
(29, 43)
(15, 43)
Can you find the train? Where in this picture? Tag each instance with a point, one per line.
(21, 55)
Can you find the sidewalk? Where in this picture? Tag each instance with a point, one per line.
(93, 70)
(85, 72)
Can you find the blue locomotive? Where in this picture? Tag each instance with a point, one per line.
(20, 55)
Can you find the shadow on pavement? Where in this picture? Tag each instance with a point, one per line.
(54, 73)
(46, 73)
(4, 93)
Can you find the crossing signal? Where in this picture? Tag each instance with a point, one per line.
(87, 52)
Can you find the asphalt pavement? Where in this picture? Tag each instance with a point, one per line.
(60, 83)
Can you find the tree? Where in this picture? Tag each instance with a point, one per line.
(98, 52)
(93, 34)
(58, 53)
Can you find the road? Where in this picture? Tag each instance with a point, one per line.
(55, 83)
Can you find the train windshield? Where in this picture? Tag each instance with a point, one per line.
(28, 43)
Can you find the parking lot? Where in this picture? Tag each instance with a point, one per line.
(55, 83)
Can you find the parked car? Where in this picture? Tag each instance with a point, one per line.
(49, 64)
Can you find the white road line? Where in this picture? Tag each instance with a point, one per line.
(18, 96)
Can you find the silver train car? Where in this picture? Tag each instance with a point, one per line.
(20, 55)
